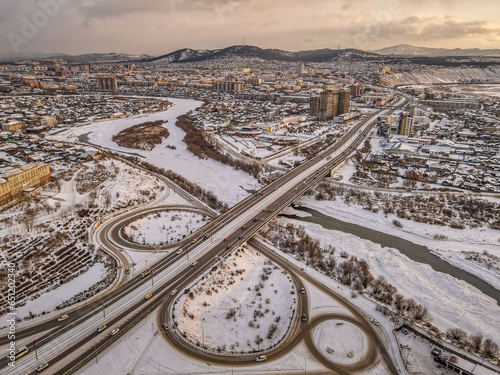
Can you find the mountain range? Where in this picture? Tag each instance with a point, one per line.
(186, 55)
(321, 55)
(407, 50)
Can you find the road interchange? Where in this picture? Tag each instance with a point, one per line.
(126, 304)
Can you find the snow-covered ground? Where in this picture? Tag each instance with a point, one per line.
(48, 301)
(61, 226)
(245, 299)
(224, 181)
(164, 227)
(442, 294)
(252, 147)
(341, 342)
(461, 260)
(288, 159)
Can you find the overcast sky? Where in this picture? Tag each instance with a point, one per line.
(157, 27)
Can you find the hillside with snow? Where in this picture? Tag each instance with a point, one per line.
(409, 50)
(442, 75)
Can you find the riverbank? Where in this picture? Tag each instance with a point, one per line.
(452, 302)
(172, 154)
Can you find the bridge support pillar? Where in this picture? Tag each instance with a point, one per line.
(335, 169)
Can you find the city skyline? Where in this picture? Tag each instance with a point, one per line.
(155, 28)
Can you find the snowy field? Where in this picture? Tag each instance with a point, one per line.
(340, 342)
(164, 227)
(246, 305)
(442, 294)
(225, 182)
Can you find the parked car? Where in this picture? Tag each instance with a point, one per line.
(404, 346)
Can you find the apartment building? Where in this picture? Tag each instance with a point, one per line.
(329, 104)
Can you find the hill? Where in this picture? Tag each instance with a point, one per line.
(408, 50)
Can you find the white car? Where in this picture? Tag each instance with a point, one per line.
(114, 332)
(260, 358)
(172, 293)
(375, 322)
(405, 346)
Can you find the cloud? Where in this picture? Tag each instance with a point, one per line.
(161, 26)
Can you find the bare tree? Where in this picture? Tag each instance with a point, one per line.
(476, 342)
(457, 334)
(490, 348)
(421, 313)
(28, 219)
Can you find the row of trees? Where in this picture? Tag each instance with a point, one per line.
(476, 342)
(203, 145)
(456, 211)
